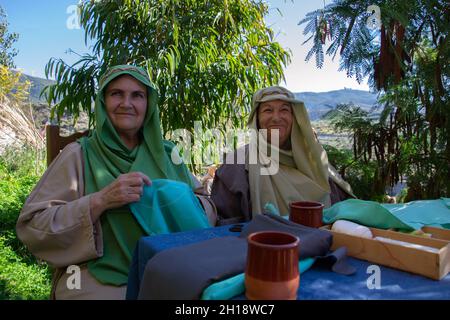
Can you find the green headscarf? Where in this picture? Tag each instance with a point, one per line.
(106, 157)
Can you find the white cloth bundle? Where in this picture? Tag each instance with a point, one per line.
(407, 244)
(351, 228)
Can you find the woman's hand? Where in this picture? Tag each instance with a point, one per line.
(125, 189)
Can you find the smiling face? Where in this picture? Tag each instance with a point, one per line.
(126, 105)
(276, 114)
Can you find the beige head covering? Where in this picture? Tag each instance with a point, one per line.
(303, 171)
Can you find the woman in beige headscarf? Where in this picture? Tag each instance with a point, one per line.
(302, 171)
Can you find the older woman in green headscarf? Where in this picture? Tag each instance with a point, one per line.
(240, 190)
(78, 213)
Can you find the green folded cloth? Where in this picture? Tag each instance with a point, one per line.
(234, 286)
(446, 201)
(402, 216)
(421, 213)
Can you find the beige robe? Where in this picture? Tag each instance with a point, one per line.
(55, 224)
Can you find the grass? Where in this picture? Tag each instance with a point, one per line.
(20, 280)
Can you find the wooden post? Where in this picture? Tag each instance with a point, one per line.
(52, 142)
(55, 143)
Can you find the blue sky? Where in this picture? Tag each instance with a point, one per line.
(43, 31)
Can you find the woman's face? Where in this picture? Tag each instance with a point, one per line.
(126, 104)
(276, 114)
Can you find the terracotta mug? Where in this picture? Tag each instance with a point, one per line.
(272, 266)
(307, 213)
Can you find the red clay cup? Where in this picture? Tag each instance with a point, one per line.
(307, 213)
(272, 266)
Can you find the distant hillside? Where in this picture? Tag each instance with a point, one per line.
(37, 85)
(317, 103)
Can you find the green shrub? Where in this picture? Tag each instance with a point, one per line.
(359, 174)
(15, 186)
(21, 275)
(19, 173)
(14, 190)
(19, 280)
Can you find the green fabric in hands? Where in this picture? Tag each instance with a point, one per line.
(169, 206)
(166, 206)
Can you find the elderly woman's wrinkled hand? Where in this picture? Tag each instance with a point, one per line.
(125, 189)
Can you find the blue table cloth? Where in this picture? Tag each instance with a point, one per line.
(315, 284)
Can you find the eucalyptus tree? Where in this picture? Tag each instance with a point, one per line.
(207, 57)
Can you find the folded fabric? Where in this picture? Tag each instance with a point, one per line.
(367, 213)
(407, 244)
(235, 286)
(403, 216)
(184, 272)
(446, 202)
(148, 247)
(169, 206)
(422, 213)
(337, 260)
(313, 242)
